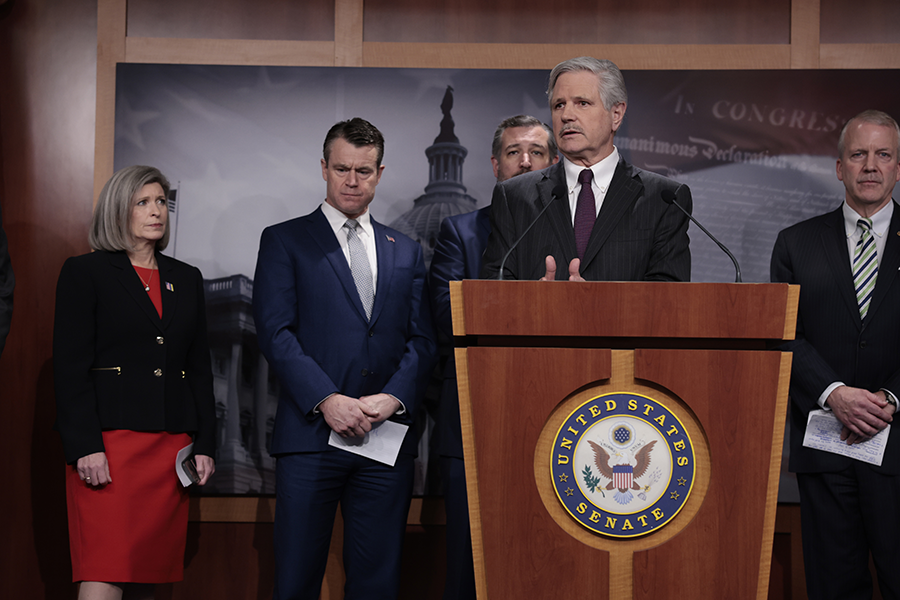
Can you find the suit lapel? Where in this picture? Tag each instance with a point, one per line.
(834, 245)
(128, 278)
(322, 233)
(559, 215)
(483, 221)
(169, 297)
(888, 264)
(385, 250)
(620, 197)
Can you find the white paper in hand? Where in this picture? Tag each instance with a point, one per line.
(823, 432)
(382, 443)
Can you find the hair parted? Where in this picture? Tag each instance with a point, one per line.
(111, 223)
(522, 121)
(875, 117)
(358, 132)
(611, 82)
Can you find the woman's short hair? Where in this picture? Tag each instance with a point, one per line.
(111, 224)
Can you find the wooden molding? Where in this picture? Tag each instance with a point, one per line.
(187, 51)
(348, 33)
(859, 56)
(545, 56)
(111, 25)
(805, 27)
(768, 533)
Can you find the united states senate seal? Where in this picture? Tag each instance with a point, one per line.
(622, 465)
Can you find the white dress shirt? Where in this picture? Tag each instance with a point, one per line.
(880, 223)
(365, 232)
(603, 174)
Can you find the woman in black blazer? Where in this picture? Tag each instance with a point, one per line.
(133, 386)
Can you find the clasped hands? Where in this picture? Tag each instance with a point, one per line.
(550, 265)
(863, 413)
(353, 417)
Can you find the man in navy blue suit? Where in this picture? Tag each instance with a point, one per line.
(847, 360)
(521, 144)
(341, 315)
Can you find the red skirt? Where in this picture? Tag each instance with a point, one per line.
(134, 529)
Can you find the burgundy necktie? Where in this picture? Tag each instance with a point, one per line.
(585, 212)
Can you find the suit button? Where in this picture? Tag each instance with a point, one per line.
(862, 344)
(371, 332)
(364, 372)
(158, 372)
(160, 340)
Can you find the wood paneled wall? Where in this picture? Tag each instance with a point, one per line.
(57, 82)
(47, 103)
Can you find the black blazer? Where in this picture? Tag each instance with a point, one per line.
(7, 283)
(832, 342)
(117, 365)
(636, 237)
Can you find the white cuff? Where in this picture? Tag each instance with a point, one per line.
(827, 393)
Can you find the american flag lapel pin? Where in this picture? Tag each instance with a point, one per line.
(390, 239)
(170, 287)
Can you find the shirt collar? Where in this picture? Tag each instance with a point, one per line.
(603, 172)
(880, 220)
(337, 219)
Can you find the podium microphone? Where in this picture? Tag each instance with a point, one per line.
(558, 192)
(668, 197)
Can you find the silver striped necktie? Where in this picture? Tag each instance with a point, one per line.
(360, 267)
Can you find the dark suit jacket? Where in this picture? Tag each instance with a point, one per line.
(637, 236)
(312, 328)
(457, 256)
(7, 283)
(105, 320)
(832, 343)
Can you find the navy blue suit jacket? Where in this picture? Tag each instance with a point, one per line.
(457, 256)
(636, 237)
(312, 328)
(832, 342)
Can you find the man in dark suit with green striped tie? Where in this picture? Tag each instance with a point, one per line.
(846, 359)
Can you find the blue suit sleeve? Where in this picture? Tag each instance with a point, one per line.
(275, 313)
(501, 238)
(408, 382)
(447, 264)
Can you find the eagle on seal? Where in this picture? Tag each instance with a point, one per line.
(622, 476)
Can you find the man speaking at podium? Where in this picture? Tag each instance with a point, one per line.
(592, 215)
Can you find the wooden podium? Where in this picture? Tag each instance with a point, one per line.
(530, 353)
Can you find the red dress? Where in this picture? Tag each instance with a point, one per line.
(133, 529)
